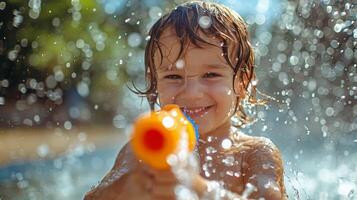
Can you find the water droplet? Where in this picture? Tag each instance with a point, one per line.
(345, 188)
(260, 19)
(207, 174)
(83, 89)
(36, 118)
(2, 101)
(12, 55)
(82, 136)
(209, 158)
(172, 160)
(17, 19)
(210, 150)
(67, 125)
(180, 64)
(119, 121)
(35, 6)
(134, 39)
(205, 22)
(237, 174)
(266, 166)
(265, 127)
(168, 122)
(4, 83)
(80, 43)
(43, 150)
(56, 22)
(22, 88)
(255, 82)
(155, 12)
(226, 143)
(249, 188)
(27, 122)
(228, 160)
(51, 82)
(230, 173)
(330, 111)
(2, 5)
(338, 27)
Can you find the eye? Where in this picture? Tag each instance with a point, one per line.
(173, 77)
(211, 75)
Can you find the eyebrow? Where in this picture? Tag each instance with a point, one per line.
(217, 65)
(165, 68)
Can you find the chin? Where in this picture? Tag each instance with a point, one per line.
(202, 131)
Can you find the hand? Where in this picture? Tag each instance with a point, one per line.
(127, 180)
(163, 183)
(139, 181)
(130, 180)
(145, 183)
(160, 183)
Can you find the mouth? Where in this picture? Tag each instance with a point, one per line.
(196, 111)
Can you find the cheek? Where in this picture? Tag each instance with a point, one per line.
(166, 94)
(224, 97)
(222, 93)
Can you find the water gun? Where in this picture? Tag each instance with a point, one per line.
(157, 134)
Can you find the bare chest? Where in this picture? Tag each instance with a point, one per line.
(226, 168)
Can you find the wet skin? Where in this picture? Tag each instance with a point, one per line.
(202, 85)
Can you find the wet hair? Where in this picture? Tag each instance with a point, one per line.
(226, 25)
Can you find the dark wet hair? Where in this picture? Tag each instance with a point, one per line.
(226, 25)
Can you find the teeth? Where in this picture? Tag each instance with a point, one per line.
(193, 111)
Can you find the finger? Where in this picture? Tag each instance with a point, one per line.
(164, 176)
(166, 179)
(164, 191)
(142, 182)
(161, 176)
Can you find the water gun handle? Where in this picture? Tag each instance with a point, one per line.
(156, 135)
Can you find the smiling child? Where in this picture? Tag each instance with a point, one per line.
(200, 58)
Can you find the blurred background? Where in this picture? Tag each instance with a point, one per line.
(66, 110)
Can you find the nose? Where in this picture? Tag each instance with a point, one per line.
(191, 90)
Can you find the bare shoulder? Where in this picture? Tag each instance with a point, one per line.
(262, 166)
(259, 152)
(259, 155)
(252, 144)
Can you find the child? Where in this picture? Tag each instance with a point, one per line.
(199, 58)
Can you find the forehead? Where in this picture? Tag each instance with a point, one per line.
(169, 35)
(170, 49)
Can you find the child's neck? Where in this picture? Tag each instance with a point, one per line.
(214, 139)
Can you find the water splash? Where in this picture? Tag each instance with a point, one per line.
(180, 64)
(35, 10)
(185, 167)
(205, 22)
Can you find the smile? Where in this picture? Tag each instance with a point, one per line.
(195, 111)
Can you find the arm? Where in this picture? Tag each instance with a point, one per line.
(264, 170)
(111, 184)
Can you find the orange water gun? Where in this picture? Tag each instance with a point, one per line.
(157, 134)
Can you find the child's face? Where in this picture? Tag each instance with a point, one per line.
(201, 83)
